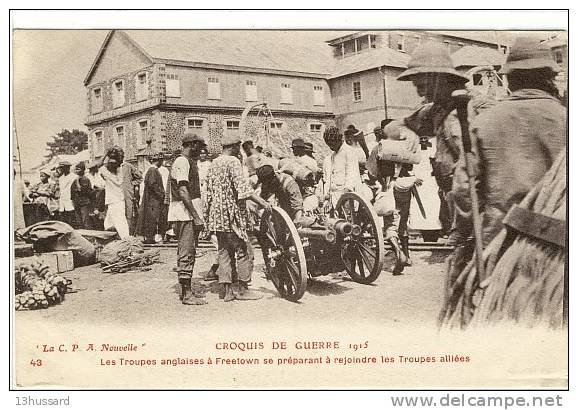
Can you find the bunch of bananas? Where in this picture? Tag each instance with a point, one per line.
(37, 287)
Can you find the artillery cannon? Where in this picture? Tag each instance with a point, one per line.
(349, 238)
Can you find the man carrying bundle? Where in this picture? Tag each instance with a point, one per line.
(433, 74)
(398, 182)
(519, 172)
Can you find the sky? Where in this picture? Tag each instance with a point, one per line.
(49, 67)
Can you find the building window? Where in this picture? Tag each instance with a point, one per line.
(251, 90)
(276, 125)
(233, 125)
(286, 94)
(318, 95)
(143, 133)
(372, 41)
(97, 100)
(400, 43)
(196, 125)
(357, 91)
(142, 87)
(118, 94)
(98, 144)
(119, 138)
(316, 127)
(214, 90)
(173, 85)
(559, 56)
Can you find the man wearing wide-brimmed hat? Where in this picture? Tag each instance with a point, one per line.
(518, 139)
(432, 72)
(226, 217)
(300, 148)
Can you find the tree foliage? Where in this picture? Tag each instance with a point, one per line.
(67, 142)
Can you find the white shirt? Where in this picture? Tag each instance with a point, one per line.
(96, 180)
(164, 171)
(341, 172)
(65, 183)
(113, 191)
(203, 169)
(180, 172)
(308, 162)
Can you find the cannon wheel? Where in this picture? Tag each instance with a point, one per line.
(363, 255)
(287, 270)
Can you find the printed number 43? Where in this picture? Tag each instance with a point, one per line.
(36, 362)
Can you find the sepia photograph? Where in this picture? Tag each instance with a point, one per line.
(289, 209)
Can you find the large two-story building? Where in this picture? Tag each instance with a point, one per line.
(146, 89)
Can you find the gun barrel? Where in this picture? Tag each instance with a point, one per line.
(327, 235)
(339, 225)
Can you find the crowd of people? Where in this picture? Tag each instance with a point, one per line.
(410, 168)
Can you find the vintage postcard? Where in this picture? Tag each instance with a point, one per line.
(289, 209)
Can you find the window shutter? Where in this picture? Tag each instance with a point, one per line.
(251, 91)
(318, 96)
(214, 89)
(286, 94)
(173, 85)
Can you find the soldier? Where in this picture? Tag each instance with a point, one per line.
(433, 74)
(517, 140)
(283, 187)
(300, 148)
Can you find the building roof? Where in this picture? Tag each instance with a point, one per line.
(369, 59)
(295, 51)
(504, 38)
(472, 56)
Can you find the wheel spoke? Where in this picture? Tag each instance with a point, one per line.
(272, 233)
(360, 262)
(352, 210)
(366, 249)
(367, 259)
(293, 272)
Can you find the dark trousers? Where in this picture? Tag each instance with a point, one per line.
(188, 236)
(163, 220)
(234, 251)
(402, 204)
(446, 207)
(83, 218)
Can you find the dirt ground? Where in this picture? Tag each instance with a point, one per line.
(145, 297)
